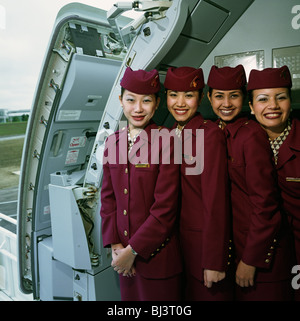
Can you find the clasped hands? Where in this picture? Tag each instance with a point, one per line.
(123, 259)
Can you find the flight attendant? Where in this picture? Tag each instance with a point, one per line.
(261, 264)
(270, 101)
(204, 216)
(139, 199)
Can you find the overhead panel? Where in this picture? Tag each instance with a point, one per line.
(206, 25)
(204, 22)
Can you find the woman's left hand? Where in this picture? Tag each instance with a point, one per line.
(244, 275)
(211, 276)
(123, 260)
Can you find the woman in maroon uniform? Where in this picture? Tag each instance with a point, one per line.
(270, 101)
(261, 265)
(139, 199)
(204, 216)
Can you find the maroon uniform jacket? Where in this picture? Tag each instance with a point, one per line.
(288, 170)
(204, 218)
(255, 202)
(139, 205)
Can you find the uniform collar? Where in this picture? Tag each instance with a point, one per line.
(278, 141)
(195, 122)
(294, 135)
(232, 128)
(124, 131)
(290, 145)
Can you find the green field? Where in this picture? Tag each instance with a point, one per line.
(11, 129)
(10, 161)
(11, 153)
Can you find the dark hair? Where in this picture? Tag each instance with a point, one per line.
(123, 89)
(243, 89)
(250, 95)
(200, 91)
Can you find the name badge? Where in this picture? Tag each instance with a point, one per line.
(142, 165)
(293, 179)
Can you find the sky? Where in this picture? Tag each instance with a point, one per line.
(25, 29)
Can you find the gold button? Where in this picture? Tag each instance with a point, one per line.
(126, 170)
(125, 212)
(275, 241)
(272, 248)
(125, 191)
(267, 261)
(125, 233)
(269, 254)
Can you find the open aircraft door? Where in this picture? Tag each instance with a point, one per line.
(75, 108)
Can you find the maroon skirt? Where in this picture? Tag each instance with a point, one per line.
(273, 291)
(137, 288)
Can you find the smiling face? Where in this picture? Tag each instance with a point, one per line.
(183, 105)
(271, 108)
(226, 104)
(138, 109)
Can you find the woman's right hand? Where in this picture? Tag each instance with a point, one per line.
(244, 275)
(116, 250)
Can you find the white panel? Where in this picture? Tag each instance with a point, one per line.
(69, 238)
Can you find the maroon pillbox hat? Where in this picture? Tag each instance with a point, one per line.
(184, 79)
(270, 78)
(227, 78)
(140, 81)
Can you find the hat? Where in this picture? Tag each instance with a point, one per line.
(270, 78)
(227, 78)
(141, 81)
(184, 79)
